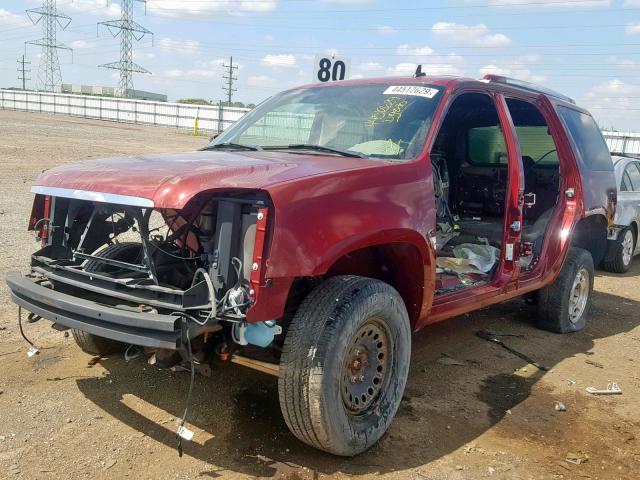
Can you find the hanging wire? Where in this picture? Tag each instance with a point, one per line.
(189, 394)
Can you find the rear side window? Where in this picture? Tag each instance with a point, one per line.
(486, 146)
(536, 142)
(588, 139)
(633, 175)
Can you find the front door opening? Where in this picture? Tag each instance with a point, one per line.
(470, 172)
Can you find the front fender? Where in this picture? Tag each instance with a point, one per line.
(318, 220)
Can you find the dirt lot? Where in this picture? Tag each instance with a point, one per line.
(487, 414)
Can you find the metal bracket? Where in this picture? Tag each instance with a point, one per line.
(143, 226)
(531, 202)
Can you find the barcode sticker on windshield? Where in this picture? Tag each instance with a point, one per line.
(425, 92)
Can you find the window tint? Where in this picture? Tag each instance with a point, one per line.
(588, 140)
(634, 176)
(486, 146)
(534, 137)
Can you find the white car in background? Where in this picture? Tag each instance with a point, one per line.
(627, 220)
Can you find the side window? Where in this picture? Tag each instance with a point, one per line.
(634, 176)
(536, 143)
(588, 139)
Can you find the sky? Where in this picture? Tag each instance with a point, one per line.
(587, 49)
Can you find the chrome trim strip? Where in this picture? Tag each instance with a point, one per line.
(94, 196)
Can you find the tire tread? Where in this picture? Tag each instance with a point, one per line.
(552, 312)
(314, 326)
(615, 263)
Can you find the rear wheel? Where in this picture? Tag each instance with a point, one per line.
(564, 305)
(88, 342)
(624, 248)
(344, 364)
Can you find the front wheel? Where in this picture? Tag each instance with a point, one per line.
(344, 364)
(124, 252)
(564, 305)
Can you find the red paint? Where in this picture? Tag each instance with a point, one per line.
(41, 209)
(258, 268)
(326, 206)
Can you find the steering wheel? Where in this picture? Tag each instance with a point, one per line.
(532, 163)
(545, 155)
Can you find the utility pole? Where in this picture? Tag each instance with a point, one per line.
(128, 30)
(22, 72)
(49, 74)
(229, 78)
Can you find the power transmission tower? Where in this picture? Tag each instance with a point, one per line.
(128, 30)
(49, 74)
(229, 78)
(22, 72)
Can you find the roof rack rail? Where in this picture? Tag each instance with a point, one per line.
(527, 86)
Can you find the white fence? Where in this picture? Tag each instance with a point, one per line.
(625, 143)
(177, 115)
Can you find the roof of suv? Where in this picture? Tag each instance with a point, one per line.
(496, 82)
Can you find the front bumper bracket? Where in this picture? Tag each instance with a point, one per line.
(136, 328)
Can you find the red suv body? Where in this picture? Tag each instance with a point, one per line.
(422, 200)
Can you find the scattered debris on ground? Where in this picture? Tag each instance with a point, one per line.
(560, 407)
(612, 389)
(577, 458)
(595, 364)
(490, 337)
(447, 360)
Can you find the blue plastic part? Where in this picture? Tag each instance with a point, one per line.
(260, 334)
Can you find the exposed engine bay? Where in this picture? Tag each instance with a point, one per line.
(200, 265)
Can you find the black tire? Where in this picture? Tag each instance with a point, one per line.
(346, 321)
(88, 342)
(556, 300)
(618, 262)
(124, 251)
(95, 345)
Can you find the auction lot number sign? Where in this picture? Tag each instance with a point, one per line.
(331, 68)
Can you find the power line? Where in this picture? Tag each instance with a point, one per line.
(229, 78)
(49, 74)
(22, 72)
(128, 30)
(369, 28)
(508, 3)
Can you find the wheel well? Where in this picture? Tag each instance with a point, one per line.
(634, 228)
(591, 234)
(398, 264)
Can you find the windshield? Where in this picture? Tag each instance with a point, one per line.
(378, 120)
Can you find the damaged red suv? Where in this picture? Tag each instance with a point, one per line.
(314, 236)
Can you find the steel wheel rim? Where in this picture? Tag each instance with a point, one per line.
(365, 367)
(627, 247)
(579, 295)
